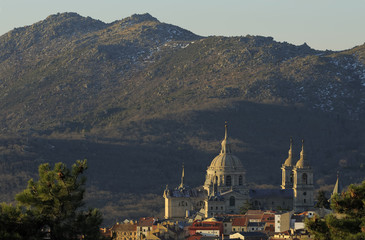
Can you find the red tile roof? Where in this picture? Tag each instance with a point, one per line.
(242, 221)
(146, 222)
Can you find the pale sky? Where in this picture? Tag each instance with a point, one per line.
(322, 24)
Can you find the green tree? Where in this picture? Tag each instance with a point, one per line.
(19, 223)
(348, 219)
(57, 197)
(322, 201)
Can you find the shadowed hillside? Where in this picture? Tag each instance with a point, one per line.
(138, 97)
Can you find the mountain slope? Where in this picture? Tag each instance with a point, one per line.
(138, 97)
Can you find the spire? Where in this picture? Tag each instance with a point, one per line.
(289, 160)
(226, 146)
(337, 188)
(302, 162)
(182, 177)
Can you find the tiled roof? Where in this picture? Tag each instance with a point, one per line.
(267, 217)
(242, 221)
(249, 212)
(127, 227)
(146, 222)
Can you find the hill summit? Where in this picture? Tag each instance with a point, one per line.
(137, 97)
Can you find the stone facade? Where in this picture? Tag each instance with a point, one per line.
(225, 190)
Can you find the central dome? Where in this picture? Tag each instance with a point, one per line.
(226, 171)
(225, 160)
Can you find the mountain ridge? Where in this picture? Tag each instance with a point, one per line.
(138, 97)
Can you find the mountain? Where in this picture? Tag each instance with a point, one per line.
(138, 97)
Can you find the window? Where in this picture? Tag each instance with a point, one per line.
(305, 200)
(216, 208)
(304, 193)
(232, 201)
(211, 208)
(305, 178)
(240, 180)
(291, 178)
(228, 181)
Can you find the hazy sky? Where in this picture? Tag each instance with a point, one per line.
(322, 24)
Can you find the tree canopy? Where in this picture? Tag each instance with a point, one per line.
(53, 205)
(322, 201)
(348, 219)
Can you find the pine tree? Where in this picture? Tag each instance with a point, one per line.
(19, 223)
(348, 220)
(322, 201)
(58, 198)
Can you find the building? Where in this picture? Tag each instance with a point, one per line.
(239, 224)
(225, 179)
(183, 200)
(225, 190)
(145, 226)
(299, 177)
(124, 231)
(209, 227)
(282, 221)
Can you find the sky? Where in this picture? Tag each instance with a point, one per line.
(322, 24)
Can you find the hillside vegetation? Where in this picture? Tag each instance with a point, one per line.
(138, 97)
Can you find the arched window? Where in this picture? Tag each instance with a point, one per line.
(305, 178)
(228, 181)
(232, 201)
(240, 180)
(291, 177)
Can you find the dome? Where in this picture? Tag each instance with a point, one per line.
(224, 160)
(225, 172)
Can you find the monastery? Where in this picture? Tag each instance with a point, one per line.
(225, 190)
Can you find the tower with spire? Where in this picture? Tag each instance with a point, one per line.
(287, 169)
(303, 187)
(182, 200)
(338, 188)
(226, 178)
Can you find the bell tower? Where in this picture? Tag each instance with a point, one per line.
(287, 169)
(303, 183)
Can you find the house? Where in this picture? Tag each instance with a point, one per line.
(282, 221)
(255, 226)
(239, 224)
(209, 227)
(166, 230)
(144, 226)
(124, 231)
